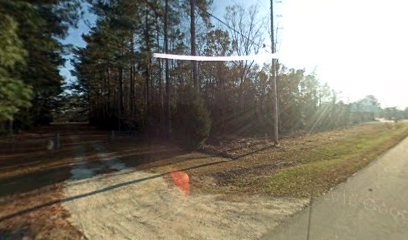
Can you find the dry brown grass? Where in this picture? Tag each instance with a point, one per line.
(300, 166)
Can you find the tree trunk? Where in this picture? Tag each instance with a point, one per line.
(147, 73)
(193, 44)
(120, 110)
(132, 82)
(168, 86)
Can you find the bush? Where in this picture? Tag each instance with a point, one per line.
(191, 120)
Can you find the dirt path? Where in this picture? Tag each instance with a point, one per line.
(371, 205)
(130, 204)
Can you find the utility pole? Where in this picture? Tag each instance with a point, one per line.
(274, 83)
(193, 44)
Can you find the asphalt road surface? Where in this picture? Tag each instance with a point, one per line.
(373, 204)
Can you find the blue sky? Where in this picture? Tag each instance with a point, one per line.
(75, 38)
(357, 46)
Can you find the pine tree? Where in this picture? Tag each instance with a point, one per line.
(15, 95)
(40, 24)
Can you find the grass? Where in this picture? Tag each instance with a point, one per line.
(302, 166)
(330, 164)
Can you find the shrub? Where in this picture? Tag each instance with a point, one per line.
(191, 120)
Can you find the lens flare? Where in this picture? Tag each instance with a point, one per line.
(182, 181)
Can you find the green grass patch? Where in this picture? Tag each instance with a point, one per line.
(329, 164)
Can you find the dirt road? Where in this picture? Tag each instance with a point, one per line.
(131, 204)
(370, 205)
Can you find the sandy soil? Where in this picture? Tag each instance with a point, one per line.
(130, 204)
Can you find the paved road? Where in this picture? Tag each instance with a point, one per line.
(373, 204)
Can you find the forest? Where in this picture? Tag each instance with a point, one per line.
(121, 86)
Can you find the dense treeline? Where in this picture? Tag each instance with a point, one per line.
(30, 57)
(128, 89)
(125, 87)
(120, 85)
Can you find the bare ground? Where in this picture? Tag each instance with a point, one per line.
(140, 205)
(75, 192)
(135, 204)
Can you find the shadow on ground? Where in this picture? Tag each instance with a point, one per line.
(30, 167)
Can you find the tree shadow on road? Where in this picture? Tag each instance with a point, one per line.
(102, 190)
